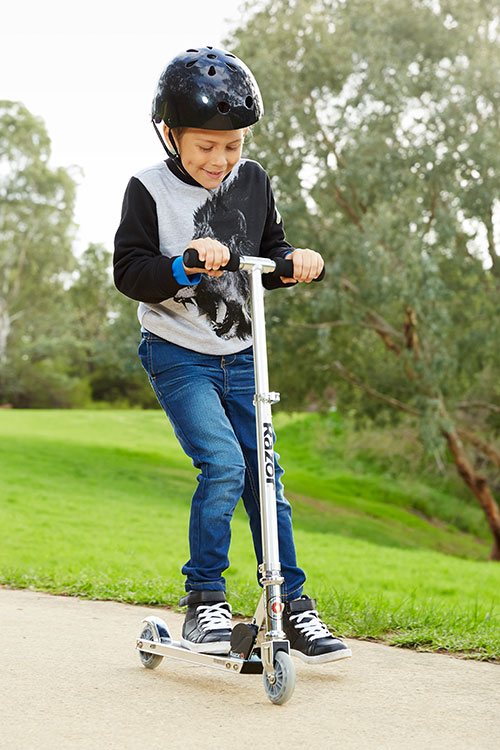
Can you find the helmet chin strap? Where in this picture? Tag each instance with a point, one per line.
(175, 155)
(157, 131)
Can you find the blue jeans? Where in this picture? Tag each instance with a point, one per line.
(209, 402)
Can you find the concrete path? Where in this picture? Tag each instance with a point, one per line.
(70, 678)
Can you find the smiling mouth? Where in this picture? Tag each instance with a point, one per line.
(214, 174)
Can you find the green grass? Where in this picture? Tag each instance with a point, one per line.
(369, 470)
(97, 504)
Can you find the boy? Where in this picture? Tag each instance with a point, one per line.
(196, 330)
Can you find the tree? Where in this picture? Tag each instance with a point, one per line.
(382, 128)
(107, 330)
(36, 232)
(119, 377)
(67, 338)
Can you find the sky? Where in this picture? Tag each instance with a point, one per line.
(89, 71)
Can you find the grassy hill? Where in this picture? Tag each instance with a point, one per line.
(96, 503)
(371, 485)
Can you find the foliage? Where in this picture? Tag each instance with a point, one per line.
(381, 131)
(67, 338)
(36, 231)
(107, 328)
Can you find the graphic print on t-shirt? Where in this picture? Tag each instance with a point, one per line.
(223, 300)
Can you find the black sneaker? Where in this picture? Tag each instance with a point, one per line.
(309, 637)
(207, 625)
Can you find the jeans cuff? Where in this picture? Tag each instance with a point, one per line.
(292, 594)
(215, 586)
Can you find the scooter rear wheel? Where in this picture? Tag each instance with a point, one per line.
(150, 661)
(283, 686)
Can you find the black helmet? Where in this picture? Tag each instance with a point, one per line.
(207, 88)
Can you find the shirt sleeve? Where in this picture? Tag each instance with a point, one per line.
(274, 243)
(140, 270)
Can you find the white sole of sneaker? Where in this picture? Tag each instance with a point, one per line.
(344, 653)
(217, 647)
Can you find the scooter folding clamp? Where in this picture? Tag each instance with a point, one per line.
(266, 398)
(270, 577)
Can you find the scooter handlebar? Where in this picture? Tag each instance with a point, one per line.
(283, 266)
(191, 260)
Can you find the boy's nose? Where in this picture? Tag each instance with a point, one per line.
(218, 160)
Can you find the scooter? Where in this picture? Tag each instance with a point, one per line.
(259, 646)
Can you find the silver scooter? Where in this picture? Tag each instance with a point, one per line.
(259, 646)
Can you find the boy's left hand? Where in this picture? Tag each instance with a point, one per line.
(307, 265)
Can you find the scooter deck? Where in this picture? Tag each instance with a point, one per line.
(228, 662)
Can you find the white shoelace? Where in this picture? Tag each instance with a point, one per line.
(214, 616)
(310, 625)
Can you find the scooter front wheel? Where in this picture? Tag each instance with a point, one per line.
(281, 689)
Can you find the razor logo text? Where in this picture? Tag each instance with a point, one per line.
(268, 452)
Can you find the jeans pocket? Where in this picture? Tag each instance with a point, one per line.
(142, 351)
(148, 352)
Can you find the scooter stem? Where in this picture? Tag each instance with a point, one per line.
(270, 568)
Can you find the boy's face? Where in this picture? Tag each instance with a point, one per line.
(209, 155)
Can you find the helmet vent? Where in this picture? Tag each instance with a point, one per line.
(191, 63)
(211, 71)
(249, 102)
(223, 108)
(231, 67)
(192, 50)
(212, 57)
(228, 54)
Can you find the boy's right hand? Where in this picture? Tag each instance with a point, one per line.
(213, 253)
